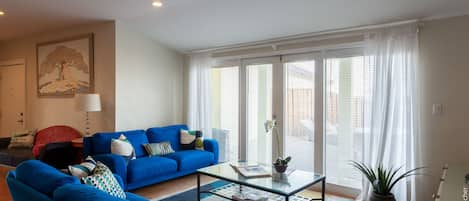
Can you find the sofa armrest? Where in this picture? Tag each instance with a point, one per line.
(116, 163)
(87, 146)
(81, 192)
(119, 179)
(20, 191)
(211, 145)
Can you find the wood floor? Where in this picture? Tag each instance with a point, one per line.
(157, 191)
(4, 192)
(172, 187)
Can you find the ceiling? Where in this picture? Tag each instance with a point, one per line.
(186, 25)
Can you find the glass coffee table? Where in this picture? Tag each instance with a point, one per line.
(278, 186)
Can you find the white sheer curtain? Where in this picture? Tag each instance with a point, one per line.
(392, 60)
(199, 100)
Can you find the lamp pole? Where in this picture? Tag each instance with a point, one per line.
(87, 125)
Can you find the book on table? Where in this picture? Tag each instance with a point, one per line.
(251, 170)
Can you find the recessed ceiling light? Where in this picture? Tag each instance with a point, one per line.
(2, 13)
(157, 3)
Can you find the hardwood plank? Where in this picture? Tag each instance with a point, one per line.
(173, 187)
(4, 192)
(169, 188)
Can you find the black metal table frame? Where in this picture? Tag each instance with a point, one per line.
(287, 196)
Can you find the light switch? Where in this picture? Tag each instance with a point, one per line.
(437, 109)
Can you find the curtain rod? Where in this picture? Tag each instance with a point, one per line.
(300, 36)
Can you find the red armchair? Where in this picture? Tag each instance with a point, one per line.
(53, 134)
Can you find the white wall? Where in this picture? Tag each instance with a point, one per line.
(42, 112)
(444, 56)
(149, 81)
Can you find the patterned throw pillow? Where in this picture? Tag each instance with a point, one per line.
(84, 169)
(123, 147)
(22, 139)
(191, 140)
(158, 149)
(104, 180)
(199, 141)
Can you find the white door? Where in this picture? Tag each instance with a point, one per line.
(12, 97)
(261, 101)
(225, 111)
(318, 100)
(303, 113)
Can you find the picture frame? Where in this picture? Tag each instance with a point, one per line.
(65, 67)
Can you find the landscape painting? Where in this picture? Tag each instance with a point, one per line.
(65, 67)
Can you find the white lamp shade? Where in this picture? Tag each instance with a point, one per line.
(88, 102)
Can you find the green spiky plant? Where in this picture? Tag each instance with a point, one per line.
(282, 161)
(382, 179)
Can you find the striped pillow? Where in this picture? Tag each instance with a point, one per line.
(84, 169)
(158, 149)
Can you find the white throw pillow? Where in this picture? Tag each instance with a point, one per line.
(123, 147)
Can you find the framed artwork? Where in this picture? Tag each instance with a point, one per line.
(65, 67)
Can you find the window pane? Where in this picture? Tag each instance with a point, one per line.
(225, 111)
(299, 114)
(259, 104)
(344, 119)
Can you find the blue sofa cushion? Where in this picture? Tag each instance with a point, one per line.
(42, 177)
(22, 192)
(102, 141)
(192, 159)
(166, 134)
(148, 167)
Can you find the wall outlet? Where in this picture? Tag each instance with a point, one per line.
(437, 109)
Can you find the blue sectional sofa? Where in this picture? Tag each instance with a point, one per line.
(35, 180)
(146, 170)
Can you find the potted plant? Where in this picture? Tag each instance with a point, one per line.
(281, 164)
(383, 180)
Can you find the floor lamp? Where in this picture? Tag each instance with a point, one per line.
(88, 103)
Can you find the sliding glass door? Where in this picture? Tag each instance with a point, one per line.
(244, 97)
(300, 119)
(345, 103)
(259, 110)
(261, 105)
(225, 111)
(318, 100)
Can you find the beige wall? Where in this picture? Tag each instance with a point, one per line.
(149, 82)
(44, 112)
(444, 55)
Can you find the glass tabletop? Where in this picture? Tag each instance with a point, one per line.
(283, 184)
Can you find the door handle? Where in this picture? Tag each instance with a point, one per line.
(20, 121)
